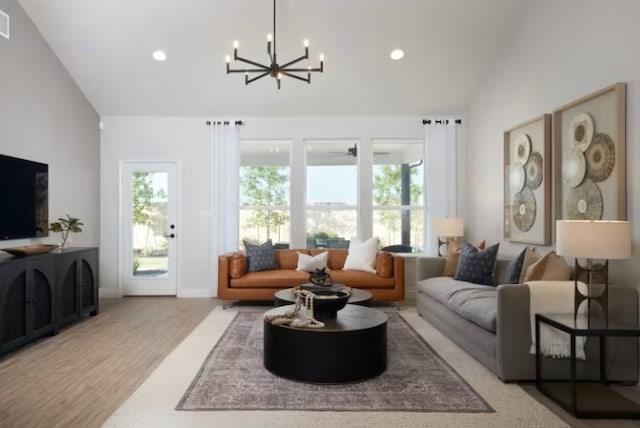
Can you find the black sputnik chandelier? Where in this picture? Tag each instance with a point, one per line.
(274, 69)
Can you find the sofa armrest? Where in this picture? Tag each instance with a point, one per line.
(429, 267)
(513, 329)
(398, 275)
(224, 284)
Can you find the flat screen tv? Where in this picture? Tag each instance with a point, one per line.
(24, 196)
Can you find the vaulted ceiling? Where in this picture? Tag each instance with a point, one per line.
(106, 46)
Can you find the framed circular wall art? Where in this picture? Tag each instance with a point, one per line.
(589, 140)
(527, 182)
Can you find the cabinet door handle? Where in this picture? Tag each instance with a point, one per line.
(171, 235)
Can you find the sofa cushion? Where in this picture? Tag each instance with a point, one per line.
(474, 302)
(307, 263)
(237, 265)
(477, 266)
(359, 279)
(288, 259)
(453, 255)
(384, 265)
(276, 279)
(551, 267)
(260, 257)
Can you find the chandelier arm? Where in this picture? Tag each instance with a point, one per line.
(248, 61)
(253, 79)
(303, 57)
(302, 70)
(247, 70)
(287, 73)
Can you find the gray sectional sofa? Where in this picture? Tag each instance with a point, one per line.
(493, 325)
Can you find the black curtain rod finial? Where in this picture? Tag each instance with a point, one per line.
(226, 122)
(441, 121)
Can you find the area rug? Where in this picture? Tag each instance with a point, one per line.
(233, 377)
(153, 405)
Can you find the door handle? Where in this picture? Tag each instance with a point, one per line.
(171, 235)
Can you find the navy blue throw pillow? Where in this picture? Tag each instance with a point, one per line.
(260, 257)
(477, 266)
(514, 269)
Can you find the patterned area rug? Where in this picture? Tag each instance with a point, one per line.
(417, 379)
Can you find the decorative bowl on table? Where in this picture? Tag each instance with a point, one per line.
(28, 250)
(328, 302)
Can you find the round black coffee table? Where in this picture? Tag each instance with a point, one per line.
(351, 347)
(358, 297)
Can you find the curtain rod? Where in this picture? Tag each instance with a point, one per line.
(441, 121)
(226, 123)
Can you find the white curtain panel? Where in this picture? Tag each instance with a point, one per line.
(225, 166)
(440, 176)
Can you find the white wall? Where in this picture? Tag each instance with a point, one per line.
(45, 117)
(187, 140)
(563, 50)
(159, 139)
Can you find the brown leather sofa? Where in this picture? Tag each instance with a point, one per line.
(235, 283)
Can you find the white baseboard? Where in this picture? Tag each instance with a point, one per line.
(187, 293)
(195, 292)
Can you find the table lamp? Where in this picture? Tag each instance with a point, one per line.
(593, 239)
(446, 229)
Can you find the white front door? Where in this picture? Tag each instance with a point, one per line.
(148, 228)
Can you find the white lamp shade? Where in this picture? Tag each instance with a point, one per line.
(448, 227)
(593, 239)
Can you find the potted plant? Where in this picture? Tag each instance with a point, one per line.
(64, 226)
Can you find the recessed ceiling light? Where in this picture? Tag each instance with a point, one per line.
(159, 55)
(397, 54)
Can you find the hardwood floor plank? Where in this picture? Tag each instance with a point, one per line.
(81, 376)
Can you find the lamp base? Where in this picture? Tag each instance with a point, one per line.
(588, 275)
(443, 245)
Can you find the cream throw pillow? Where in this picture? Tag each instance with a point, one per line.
(530, 257)
(307, 263)
(551, 267)
(362, 255)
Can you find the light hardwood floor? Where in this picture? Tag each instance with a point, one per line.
(81, 376)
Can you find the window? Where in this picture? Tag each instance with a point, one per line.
(265, 191)
(398, 183)
(331, 193)
(334, 193)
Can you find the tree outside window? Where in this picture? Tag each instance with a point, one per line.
(263, 188)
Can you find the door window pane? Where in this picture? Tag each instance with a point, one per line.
(150, 213)
(264, 191)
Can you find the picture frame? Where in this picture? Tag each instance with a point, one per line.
(589, 141)
(527, 181)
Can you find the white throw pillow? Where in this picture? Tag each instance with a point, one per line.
(362, 255)
(307, 263)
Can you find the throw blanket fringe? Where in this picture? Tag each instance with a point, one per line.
(555, 297)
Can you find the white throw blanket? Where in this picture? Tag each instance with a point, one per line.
(556, 297)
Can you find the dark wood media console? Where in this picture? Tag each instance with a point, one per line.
(39, 294)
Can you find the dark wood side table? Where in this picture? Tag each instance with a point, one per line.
(586, 398)
(349, 348)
